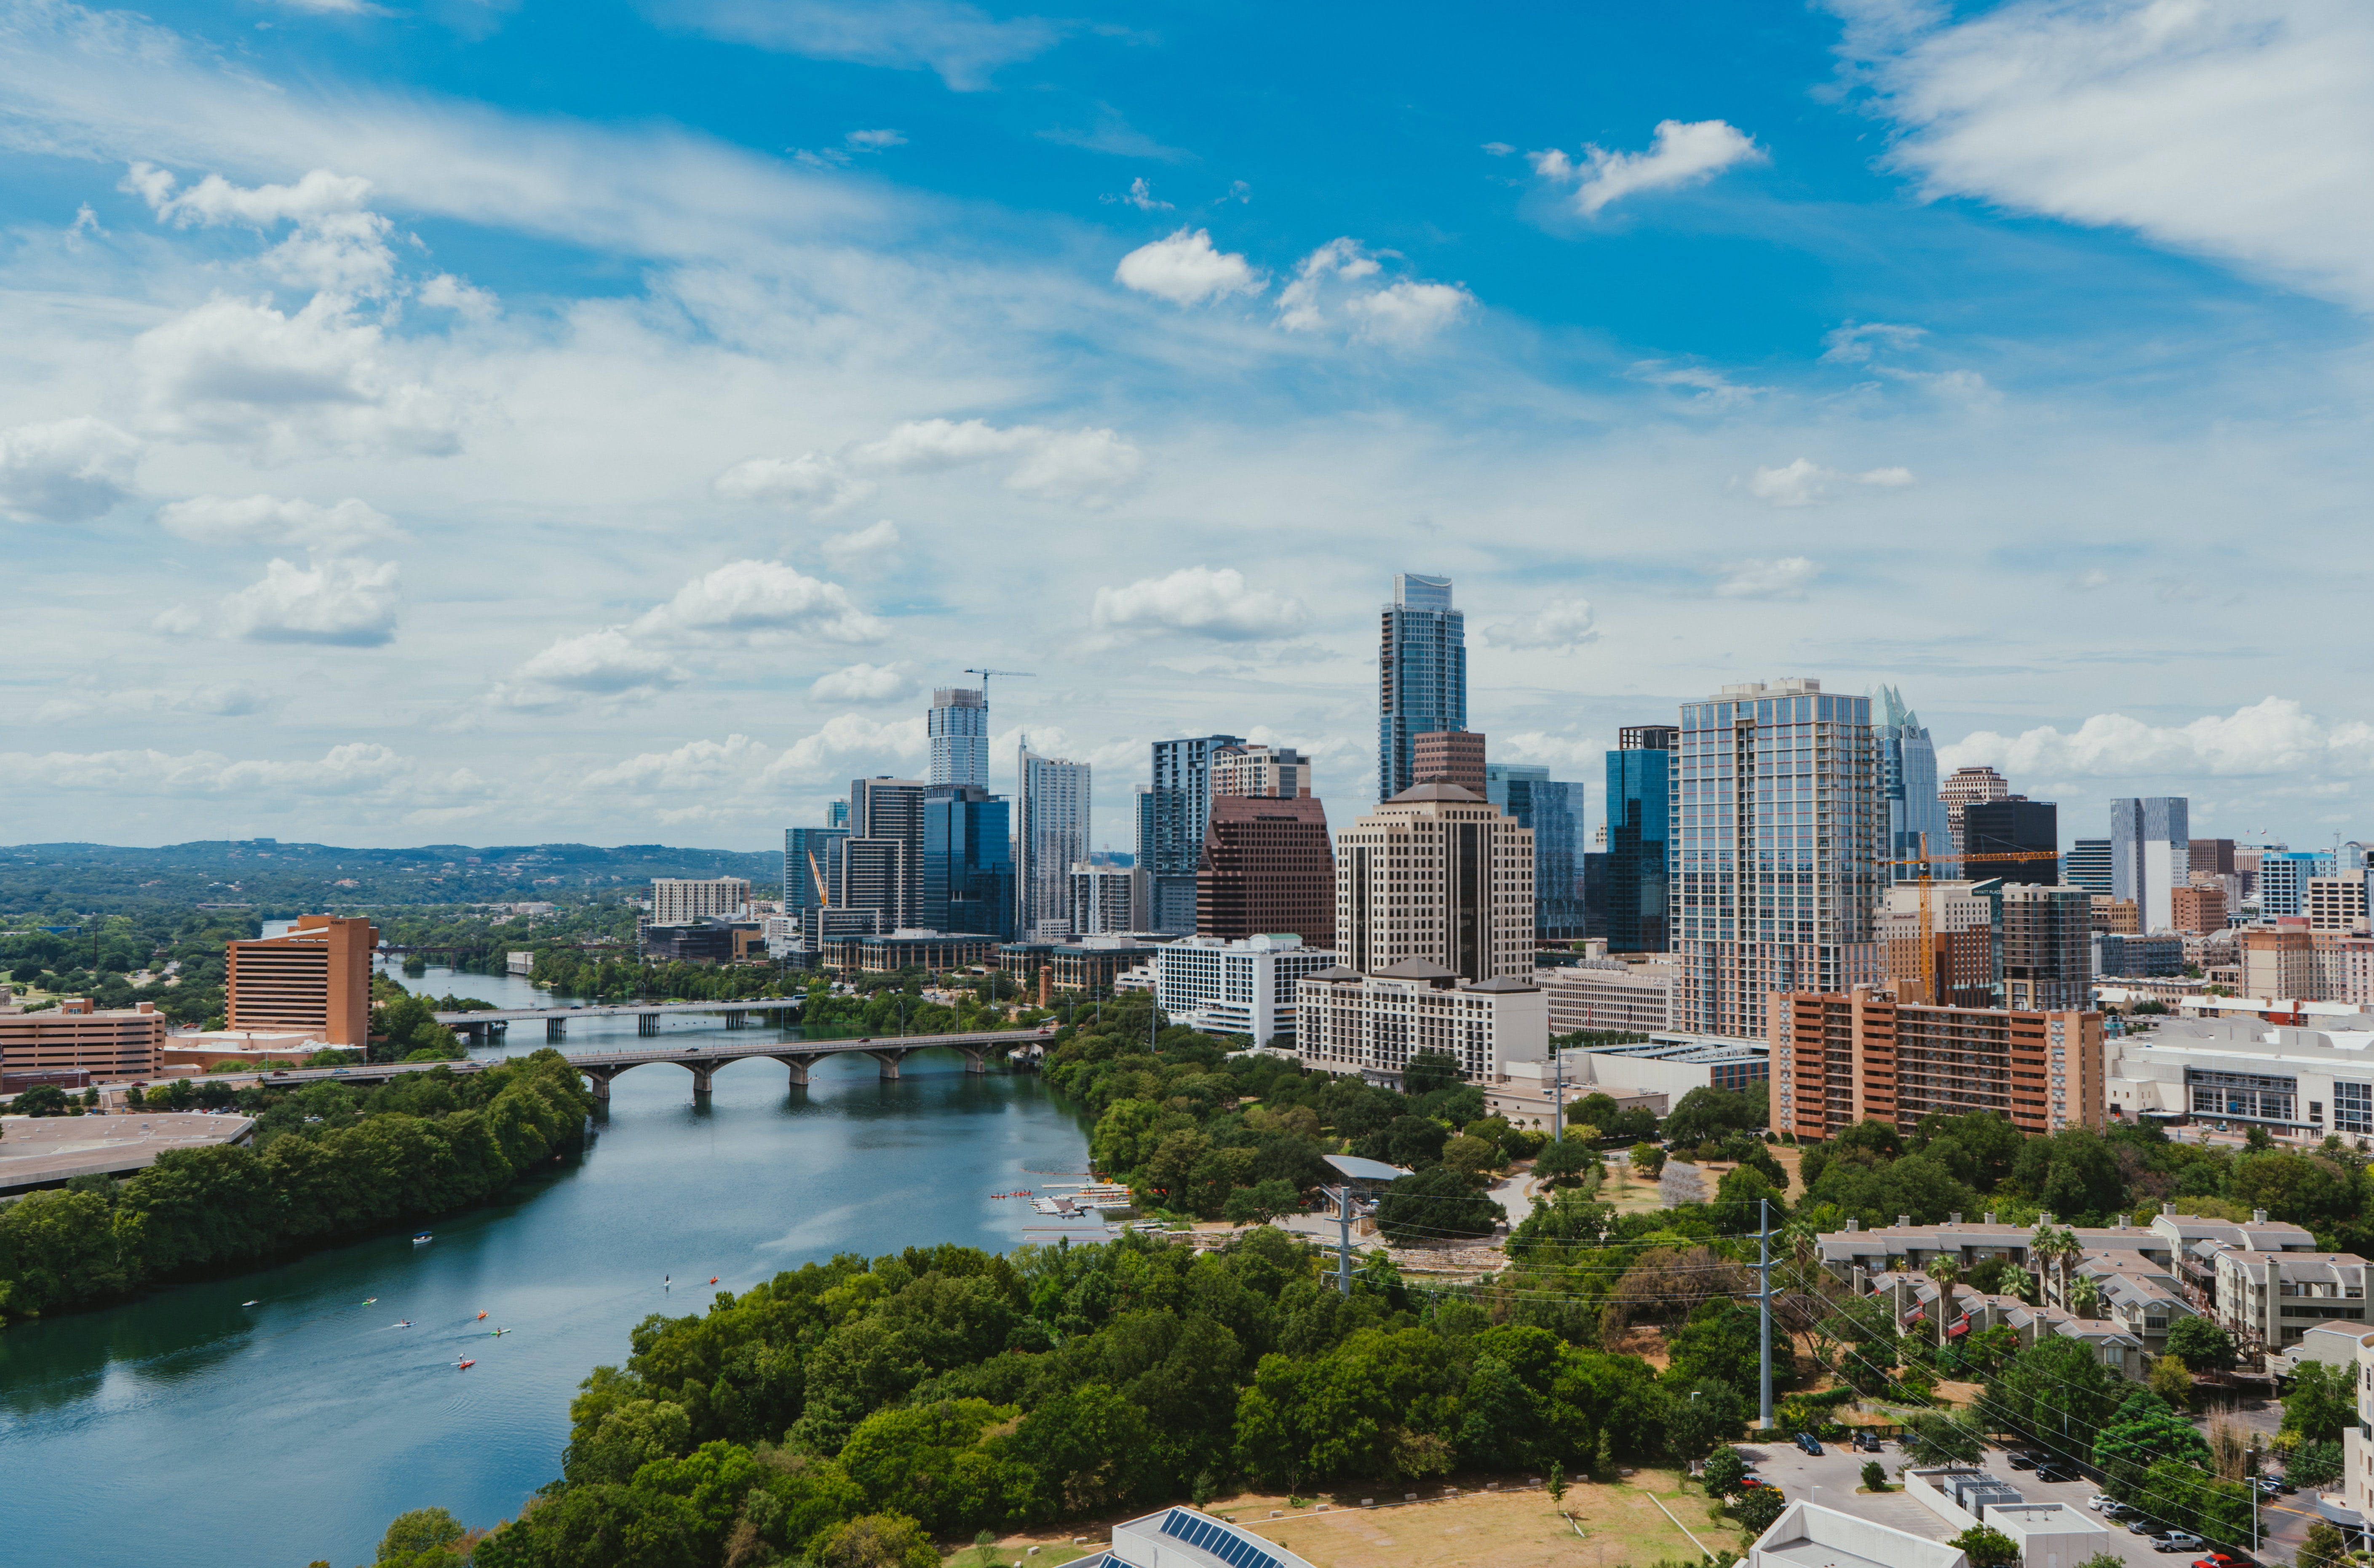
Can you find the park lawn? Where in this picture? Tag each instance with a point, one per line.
(1629, 1192)
(1515, 1528)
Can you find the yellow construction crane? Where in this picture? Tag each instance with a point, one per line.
(1928, 940)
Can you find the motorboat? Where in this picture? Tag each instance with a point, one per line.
(423, 1239)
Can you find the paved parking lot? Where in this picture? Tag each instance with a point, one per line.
(1833, 1478)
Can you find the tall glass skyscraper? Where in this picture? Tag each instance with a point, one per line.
(1421, 674)
(1639, 789)
(1553, 811)
(1778, 830)
(968, 880)
(1907, 782)
(1054, 833)
(1172, 815)
(958, 728)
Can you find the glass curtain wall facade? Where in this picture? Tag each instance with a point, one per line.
(1172, 816)
(968, 883)
(1907, 782)
(1778, 829)
(2151, 856)
(1553, 809)
(807, 867)
(959, 726)
(1639, 808)
(1054, 835)
(1421, 674)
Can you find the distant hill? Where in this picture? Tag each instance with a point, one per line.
(279, 880)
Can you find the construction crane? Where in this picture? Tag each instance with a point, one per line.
(1928, 941)
(985, 674)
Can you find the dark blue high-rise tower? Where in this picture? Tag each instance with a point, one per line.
(1639, 795)
(1421, 674)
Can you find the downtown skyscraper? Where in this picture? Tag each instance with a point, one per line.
(1172, 814)
(1635, 898)
(2151, 856)
(1908, 782)
(1778, 829)
(959, 731)
(1051, 835)
(1421, 675)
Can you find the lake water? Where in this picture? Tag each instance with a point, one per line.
(184, 1427)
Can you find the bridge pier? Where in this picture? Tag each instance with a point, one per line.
(647, 1024)
(735, 1018)
(497, 1028)
(601, 1079)
(701, 1076)
(975, 1060)
(799, 1065)
(556, 1029)
(889, 1060)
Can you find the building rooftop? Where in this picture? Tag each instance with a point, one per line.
(1438, 792)
(1808, 1535)
(44, 1150)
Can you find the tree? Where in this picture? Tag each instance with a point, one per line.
(1942, 1437)
(2145, 1430)
(2325, 1547)
(1432, 1206)
(1760, 1506)
(1648, 1160)
(2321, 1402)
(42, 1099)
(2202, 1345)
(1471, 1156)
(1555, 1485)
(1430, 1070)
(420, 1531)
(1986, 1547)
(2313, 1463)
(2169, 1379)
(878, 1540)
(1564, 1164)
(1724, 1471)
(1701, 1417)
(1875, 1476)
(1721, 1341)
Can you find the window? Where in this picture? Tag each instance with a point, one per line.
(2353, 1107)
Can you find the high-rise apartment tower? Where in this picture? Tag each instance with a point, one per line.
(1778, 835)
(1054, 834)
(959, 735)
(2151, 856)
(1908, 783)
(1552, 810)
(1171, 816)
(1639, 807)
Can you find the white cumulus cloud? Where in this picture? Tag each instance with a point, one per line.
(811, 481)
(1682, 152)
(2234, 129)
(1090, 466)
(64, 470)
(697, 766)
(851, 737)
(864, 546)
(338, 244)
(763, 597)
(1558, 626)
(1804, 482)
(276, 521)
(600, 663)
(1200, 603)
(863, 683)
(1341, 284)
(1854, 342)
(1187, 269)
(2274, 736)
(242, 370)
(340, 601)
(1787, 577)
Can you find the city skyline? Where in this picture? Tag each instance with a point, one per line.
(609, 428)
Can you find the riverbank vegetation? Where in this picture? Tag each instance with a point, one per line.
(330, 1162)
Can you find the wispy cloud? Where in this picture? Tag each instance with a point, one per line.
(1682, 154)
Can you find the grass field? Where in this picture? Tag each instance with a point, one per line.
(1610, 1524)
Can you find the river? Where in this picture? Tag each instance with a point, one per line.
(185, 1427)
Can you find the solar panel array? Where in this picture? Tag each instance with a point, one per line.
(1231, 1547)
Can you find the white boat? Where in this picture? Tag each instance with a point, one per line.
(422, 1239)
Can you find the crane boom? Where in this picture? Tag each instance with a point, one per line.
(985, 674)
(1929, 942)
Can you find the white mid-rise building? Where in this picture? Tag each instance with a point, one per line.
(2238, 1072)
(1608, 993)
(1234, 988)
(2337, 903)
(1372, 1024)
(686, 901)
(1436, 875)
(1107, 898)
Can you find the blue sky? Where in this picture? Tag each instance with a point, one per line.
(608, 421)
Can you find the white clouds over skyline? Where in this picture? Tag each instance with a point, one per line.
(1682, 154)
(1199, 602)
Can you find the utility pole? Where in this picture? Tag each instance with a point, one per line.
(1764, 1300)
(1557, 1104)
(1344, 1238)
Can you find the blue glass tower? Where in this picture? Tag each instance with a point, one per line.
(1639, 805)
(1422, 675)
(968, 880)
(1908, 783)
(1553, 811)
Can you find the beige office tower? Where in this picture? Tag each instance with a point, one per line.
(1440, 876)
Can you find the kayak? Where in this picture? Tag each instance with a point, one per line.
(464, 1364)
(481, 1317)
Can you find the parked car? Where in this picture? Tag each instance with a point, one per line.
(1810, 1444)
(2139, 1526)
(2021, 1460)
(2116, 1510)
(1867, 1442)
(2275, 1486)
(2054, 1469)
(2099, 1503)
(2223, 1559)
(2176, 1540)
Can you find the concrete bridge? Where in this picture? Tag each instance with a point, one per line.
(799, 1056)
(701, 1062)
(484, 1024)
